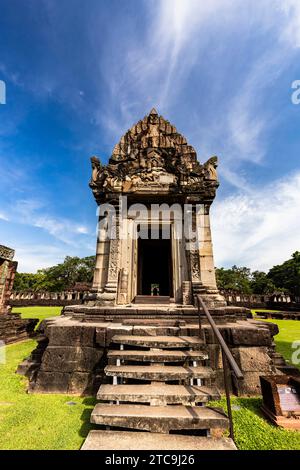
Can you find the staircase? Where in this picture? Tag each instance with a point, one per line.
(160, 384)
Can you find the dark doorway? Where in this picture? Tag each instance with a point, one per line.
(155, 268)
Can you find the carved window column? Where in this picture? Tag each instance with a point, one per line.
(114, 255)
(102, 257)
(192, 250)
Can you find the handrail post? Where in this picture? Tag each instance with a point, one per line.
(227, 392)
(199, 320)
(228, 361)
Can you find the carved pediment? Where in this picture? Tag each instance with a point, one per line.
(152, 154)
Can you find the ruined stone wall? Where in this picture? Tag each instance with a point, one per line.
(44, 298)
(75, 297)
(12, 326)
(7, 274)
(274, 301)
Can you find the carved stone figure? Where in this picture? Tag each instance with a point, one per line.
(96, 169)
(210, 169)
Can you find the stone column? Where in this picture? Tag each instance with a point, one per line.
(102, 257)
(111, 287)
(207, 267)
(208, 289)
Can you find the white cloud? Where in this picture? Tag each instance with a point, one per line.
(291, 31)
(4, 217)
(179, 40)
(33, 212)
(82, 229)
(33, 257)
(260, 229)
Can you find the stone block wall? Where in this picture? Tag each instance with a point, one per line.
(71, 355)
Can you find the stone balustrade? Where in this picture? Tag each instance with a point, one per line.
(27, 298)
(73, 297)
(276, 301)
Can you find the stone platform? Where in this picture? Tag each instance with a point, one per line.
(72, 353)
(14, 328)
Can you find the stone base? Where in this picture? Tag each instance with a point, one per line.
(71, 355)
(139, 311)
(13, 328)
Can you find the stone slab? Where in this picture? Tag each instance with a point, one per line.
(158, 355)
(159, 418)
(161, 394)
(160, 373)
(122, 440)
(160, 341)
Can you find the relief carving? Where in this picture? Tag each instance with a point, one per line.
(152, 153)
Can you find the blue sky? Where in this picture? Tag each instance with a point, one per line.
(78, 74)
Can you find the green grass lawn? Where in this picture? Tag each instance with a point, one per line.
(39, 421)
(289, 331)
(253, 431)
(38, 312)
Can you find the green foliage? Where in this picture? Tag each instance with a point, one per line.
(234, 279)
(261, 284)
(284, 277)
(287, 275)
(58, 278)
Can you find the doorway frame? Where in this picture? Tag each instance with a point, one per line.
(177, 261)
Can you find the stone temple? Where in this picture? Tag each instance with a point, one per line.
(154, 255)
(153, 165)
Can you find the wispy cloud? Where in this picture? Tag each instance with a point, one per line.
(3, 216)
(34, 212)
(261, 229)
(181, 38)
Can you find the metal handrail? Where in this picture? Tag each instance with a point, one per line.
(227, 357)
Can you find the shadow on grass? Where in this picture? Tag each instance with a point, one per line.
(87, 426)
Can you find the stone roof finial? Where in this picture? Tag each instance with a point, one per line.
(153, 111)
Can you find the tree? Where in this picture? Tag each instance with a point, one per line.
(27, 281)
(59, 277)
(235, 279)
(261, 284)
(287, 275)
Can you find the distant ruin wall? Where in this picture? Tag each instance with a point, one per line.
(274, 301)
(50, 299)
(75, 297)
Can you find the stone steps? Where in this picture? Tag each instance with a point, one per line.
(158, 355)
(158, 394)
(159, 418)
(159, 406)
(160, 342)
(122, 440)
(159, 372)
